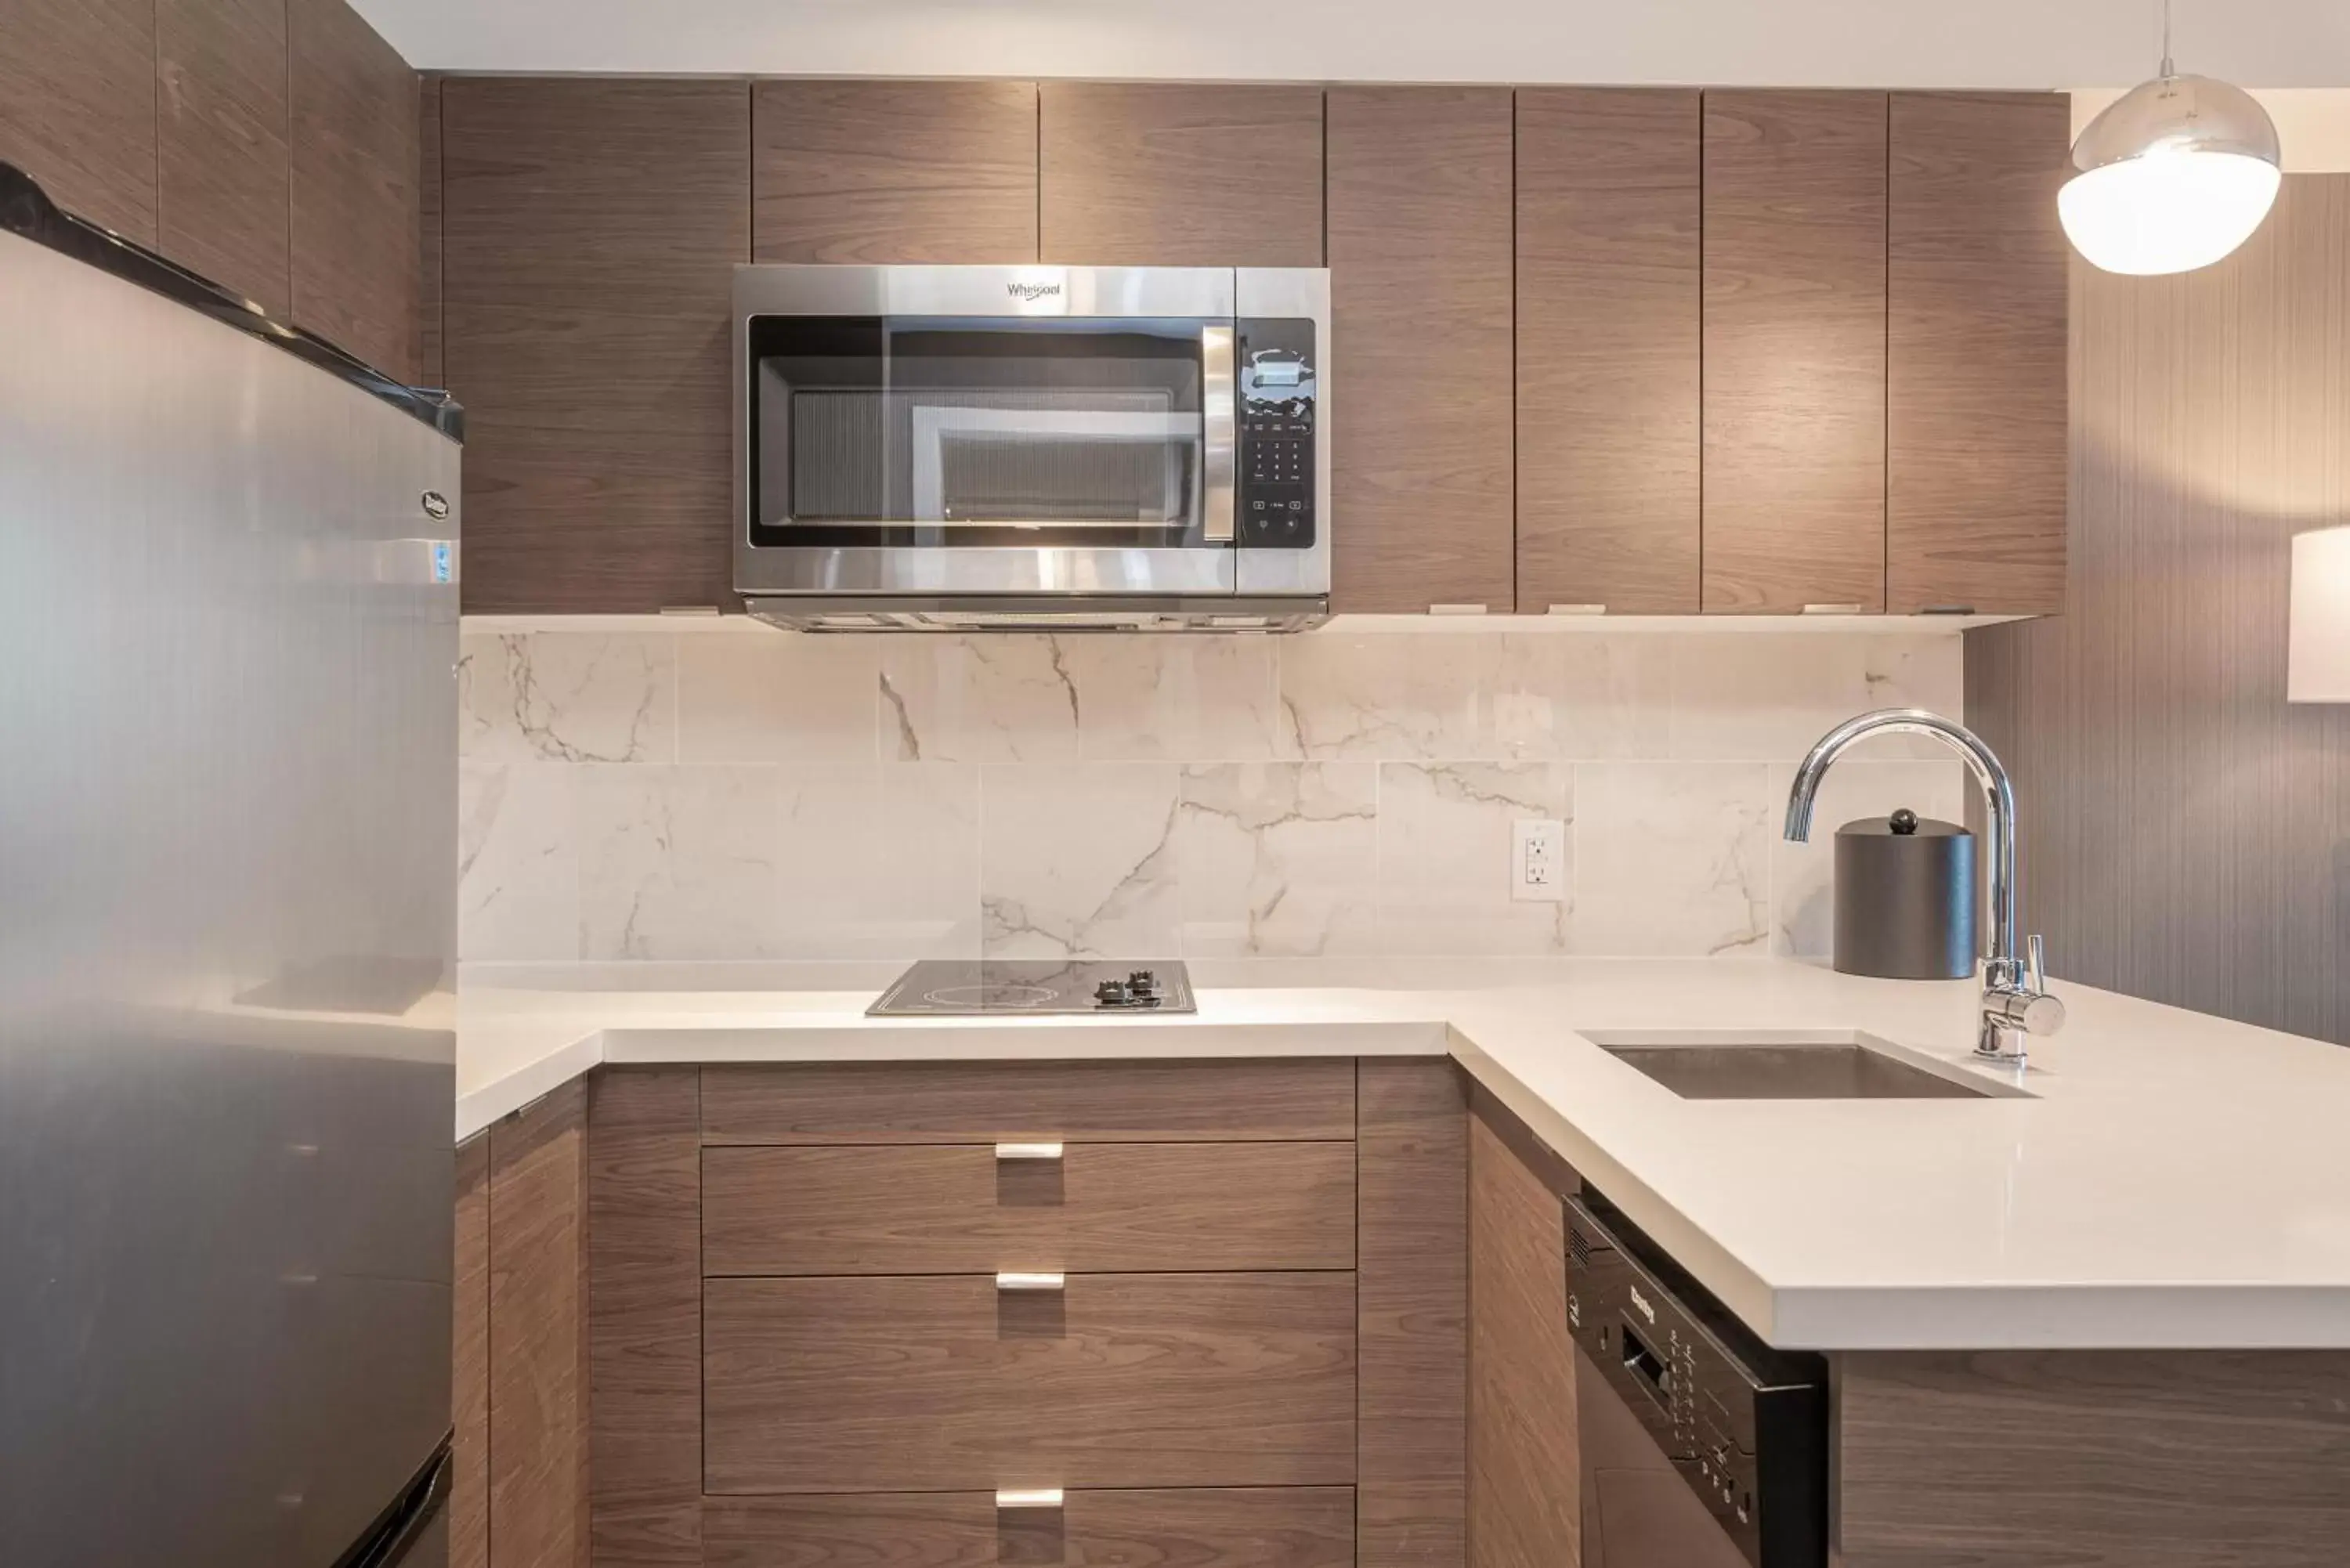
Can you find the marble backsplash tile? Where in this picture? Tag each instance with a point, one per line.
(731, 792)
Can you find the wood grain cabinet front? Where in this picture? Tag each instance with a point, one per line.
(1977, 307)
(951, 1384)
(1180, 173)
(590, 227)
(972, 1208)
(1607, 366)
(1268, 1099)
(1419, 199)
(1264, 1527)
(1794, 335)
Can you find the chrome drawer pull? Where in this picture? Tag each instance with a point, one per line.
(1028, 1497)
(1014, 1281)
(1028, 1151)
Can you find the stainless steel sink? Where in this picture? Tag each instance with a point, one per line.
(1850, 1068)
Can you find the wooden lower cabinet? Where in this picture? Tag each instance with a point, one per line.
(1282, 1388)
(956, 1207)
(986, 1102)
(1266, 1527)
(1525, 1465)
(944, 1383)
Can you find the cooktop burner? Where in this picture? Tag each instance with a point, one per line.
(960, 987)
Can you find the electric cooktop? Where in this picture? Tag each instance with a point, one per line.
(985, 987)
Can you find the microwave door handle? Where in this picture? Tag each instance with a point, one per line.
(1221, 440)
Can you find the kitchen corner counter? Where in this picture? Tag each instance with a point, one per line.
(2168, 1179)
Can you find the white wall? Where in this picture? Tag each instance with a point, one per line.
(1871, 43)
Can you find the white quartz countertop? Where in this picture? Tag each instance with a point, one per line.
(2165, 1179)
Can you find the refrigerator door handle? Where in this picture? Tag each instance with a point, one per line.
(386, 1541)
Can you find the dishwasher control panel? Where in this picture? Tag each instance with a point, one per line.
(1743, 1425)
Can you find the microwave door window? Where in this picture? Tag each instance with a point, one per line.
(1089, 434)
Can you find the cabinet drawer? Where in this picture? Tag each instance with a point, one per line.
(946, 1383)
(990, 1102)
(1271, 1527)
(934, 1208)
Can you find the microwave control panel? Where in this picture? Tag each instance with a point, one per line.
(1274, 498)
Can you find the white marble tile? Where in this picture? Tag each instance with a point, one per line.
(1748, 697)
(1176, 698)
(878, 860)
(1803, 876)
(1672, 858)
(1572, 696)
(568, 697)
(1380, 695)
(1079, 860)
(777, 698)
(1473, 696)
(1279, 859)
(991, 698)
(1445, 832)
(517, 861)
(678, 863)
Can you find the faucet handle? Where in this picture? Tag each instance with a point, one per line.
(2037, 976)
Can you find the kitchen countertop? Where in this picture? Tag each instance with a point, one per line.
(2168, 1179)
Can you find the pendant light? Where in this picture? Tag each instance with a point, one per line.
(2174, 175)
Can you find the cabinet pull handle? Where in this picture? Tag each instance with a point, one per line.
(1578, 609)
(1456, 609)
(1219, 441)
(1028, 1151)
(1030, 1281)
(1028, 1497)
(1835, 610)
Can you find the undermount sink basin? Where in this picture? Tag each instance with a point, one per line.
(1847, 1067)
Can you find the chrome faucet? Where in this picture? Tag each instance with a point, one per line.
(2015, 1000)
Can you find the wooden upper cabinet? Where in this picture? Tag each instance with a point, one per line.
(1180, 175)
(1976, 304)
(1608, 260)
(354, 210)
(1419, 277)
(1794, 350)
(432, 366)
(221, 165)
(878, 172)
(77, 106)
(589, 232)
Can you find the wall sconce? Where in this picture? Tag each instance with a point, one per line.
(2317, 658)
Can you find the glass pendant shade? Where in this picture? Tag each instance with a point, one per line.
(2174, 175)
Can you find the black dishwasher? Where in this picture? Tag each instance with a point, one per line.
(1701, 1447)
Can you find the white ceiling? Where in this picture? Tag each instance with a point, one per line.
(1879, 42)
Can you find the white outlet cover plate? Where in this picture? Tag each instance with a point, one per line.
(1538, 860)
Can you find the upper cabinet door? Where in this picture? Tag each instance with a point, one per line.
(1419, 276)
(354, 207)
(589, 234)
(1608, 281)
(1794, 350)
(77, 106)
(883, 172)
(222, 168)
(1180, 175)
(1976, 295)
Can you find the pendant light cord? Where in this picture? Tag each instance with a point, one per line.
(2167, 72)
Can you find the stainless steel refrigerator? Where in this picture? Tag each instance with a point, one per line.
(228, 621)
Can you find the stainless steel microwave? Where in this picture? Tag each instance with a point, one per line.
(922, 448)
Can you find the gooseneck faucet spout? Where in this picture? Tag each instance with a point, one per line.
(2016, 1003)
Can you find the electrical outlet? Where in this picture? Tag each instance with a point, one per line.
(1538, 860)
